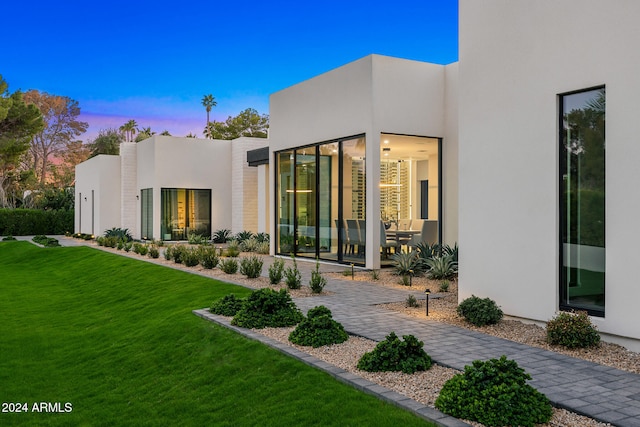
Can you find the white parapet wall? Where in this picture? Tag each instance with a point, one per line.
(128, 186)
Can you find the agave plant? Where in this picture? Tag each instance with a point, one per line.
(243, 235)
(441, 267)
(119, 233)
(426, 250)
(451, 251)
(407, 263)
(221, 236)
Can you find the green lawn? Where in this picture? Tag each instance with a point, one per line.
(116, 338)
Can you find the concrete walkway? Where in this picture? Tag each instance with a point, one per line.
(600, 392)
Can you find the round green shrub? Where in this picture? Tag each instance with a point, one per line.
(229, 266)
(480, 311)
(392, 354)
(190, 257)
(251, 266)
(228, 305)
(208, 257)
(318, 329)
(494, 393)
(572, 330)
(268, 308)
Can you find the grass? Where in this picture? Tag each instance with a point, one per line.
(115, 337)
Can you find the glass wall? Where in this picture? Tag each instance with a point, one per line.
(146, 205)
(318, 189)
(184, 211)
(582, 201)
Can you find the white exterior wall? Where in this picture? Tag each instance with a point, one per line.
(128, 180)
(370, 96)
(515, 58)
(170, 162)
(244, 186)
(100, 175)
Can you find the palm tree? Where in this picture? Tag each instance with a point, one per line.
(129, 129)
(209, 101)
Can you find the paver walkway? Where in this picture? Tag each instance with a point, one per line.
(600, 392)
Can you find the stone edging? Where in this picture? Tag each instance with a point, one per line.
(366, 386)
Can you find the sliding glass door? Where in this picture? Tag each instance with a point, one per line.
(183, 212)
(317, 190)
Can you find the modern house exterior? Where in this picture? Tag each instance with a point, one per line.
(502, 152)
(166, 187)
(548, 219)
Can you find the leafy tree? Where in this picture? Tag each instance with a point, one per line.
(129, 130)
(248, 123)
(165, 133)
(64, 174)
(144, 133)
(209, 101)
(19, 122)
(60, 115)
(107, 142)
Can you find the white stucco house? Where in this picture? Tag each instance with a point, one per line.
(502, 152)
(166, 187)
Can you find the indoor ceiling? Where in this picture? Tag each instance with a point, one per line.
(403, 147)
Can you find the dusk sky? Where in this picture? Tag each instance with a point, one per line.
(154, 61)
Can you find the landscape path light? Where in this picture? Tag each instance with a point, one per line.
(427, 292)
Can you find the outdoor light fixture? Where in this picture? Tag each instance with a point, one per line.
(85, 199)
(137, 197)
(352, 271)
(427, 292)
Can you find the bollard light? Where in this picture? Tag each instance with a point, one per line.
(427, 292)
(352, 272)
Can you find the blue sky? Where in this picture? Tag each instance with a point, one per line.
(153, 61)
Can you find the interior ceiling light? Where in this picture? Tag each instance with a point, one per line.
(386, 141)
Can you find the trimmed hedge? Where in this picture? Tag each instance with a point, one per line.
(27, 222)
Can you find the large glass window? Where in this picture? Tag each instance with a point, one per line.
(146, 205)
(582, 201)
(319, 189)
(184, 211)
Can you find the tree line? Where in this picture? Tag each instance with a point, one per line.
(39, 145)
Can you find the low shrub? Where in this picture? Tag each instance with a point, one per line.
(119, 246)
(443, 286)
(263, 248)
(233, 249)
(276, 271)
(229, 266)
(47, 242)
(8, 238)
(268, 308)
(392, 354)
(375, 274)
(154, 252)
(251, 266)
(168, 253)
(318, 329)
(480, 311)
(177, 253)
(317, 282)
(127, 246)
(140, 248)
(411, 301)
(249, 245)
(572, 330)
(292, 276)
(229, 305)
(494, 393)
(110, 241)
(190, 257)
(208, 257)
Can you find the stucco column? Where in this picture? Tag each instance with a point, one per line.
(128, 187)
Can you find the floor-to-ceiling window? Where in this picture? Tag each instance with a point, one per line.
(410, 192)
(146, 206)
(582, 201)
(184, 211)
(320, 193)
